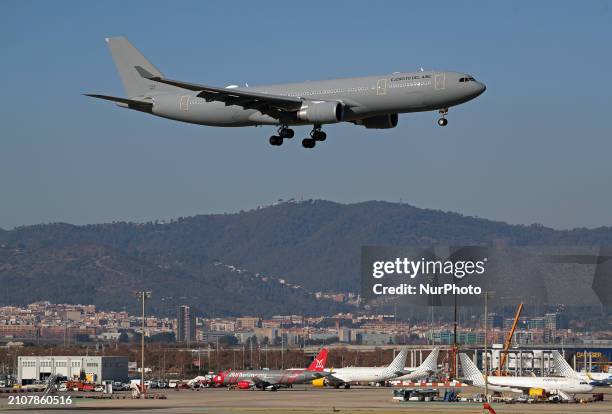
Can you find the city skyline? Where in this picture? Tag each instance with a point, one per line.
(73, 323)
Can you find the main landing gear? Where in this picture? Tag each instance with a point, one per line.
(315, 135)
(286, 133)
(283, 133)
(442, 121)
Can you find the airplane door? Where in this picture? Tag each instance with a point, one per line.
(440, 81)
(184, 103)
(381, 87)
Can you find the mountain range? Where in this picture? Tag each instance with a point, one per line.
(269, 260)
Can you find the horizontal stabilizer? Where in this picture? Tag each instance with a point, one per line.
(130, 103)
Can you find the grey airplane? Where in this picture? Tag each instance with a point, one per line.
(372, 101)
(273, 379)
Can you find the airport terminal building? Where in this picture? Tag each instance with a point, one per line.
(92, 368)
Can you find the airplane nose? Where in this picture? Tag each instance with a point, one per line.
(481, 87)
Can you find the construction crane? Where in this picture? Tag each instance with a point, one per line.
(508, 341)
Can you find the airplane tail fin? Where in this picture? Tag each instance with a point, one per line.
(318, 364)
(397, 365)
(470, 371)
(430, 364)
(563, 368)
(126, 58)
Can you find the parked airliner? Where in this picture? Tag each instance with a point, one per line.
(558, 385)
(371, 101)
(345, 376)
(597, 379)
(273, 379)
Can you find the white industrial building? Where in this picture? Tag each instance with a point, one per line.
(93, 368)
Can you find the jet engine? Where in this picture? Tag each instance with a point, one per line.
(319, 382)
(379, 122)
(244, 385)
(321, 112)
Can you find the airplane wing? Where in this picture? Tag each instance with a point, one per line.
(265, 381)
(337, 379)
(412, 375)
(272, 105)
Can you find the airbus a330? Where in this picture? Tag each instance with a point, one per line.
(372, 101)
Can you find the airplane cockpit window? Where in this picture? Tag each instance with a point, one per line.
(468, 79)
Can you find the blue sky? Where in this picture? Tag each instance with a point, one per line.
(534, 148)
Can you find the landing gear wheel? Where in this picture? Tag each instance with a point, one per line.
(442, 121)
(308, 143)
(276, 140)
(347, 386)
(286, 133)
(319, 135)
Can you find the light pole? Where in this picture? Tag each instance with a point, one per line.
(142, 296)
(486, 320)
(486, 331)
(217, 354)
(282, 351)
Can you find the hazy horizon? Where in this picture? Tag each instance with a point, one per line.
(270, 204)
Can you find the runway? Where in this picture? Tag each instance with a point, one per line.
(302, 400)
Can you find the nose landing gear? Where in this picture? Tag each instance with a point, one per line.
(442, 121)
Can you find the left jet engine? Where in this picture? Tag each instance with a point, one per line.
(321, 112)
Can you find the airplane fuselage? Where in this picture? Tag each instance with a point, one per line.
(263, 378)
(365, 97)
(549, 384)
(362, 374)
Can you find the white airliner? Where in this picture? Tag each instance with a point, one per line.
(598, 379)
(346, 376)
(555, 385)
